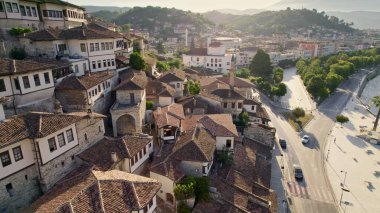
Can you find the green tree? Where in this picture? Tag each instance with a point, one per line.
(183, 208)
(281, 89)
(136, 47)
(263, 85)
(316, 86)
(278, 74)
(376, 102)
(184, 191)
(341, 119)
(301, 66)
(17, 31)
(261, 65)
(137, 61)
(17, 53)
(225, 157)
(201, 189)
(160, 48)
(175, 63)
(149, 105)
(244, 117)
(333, 80)
(243, 73)
(298, 112)
(193, 87)
(343, 68)
(162, 66)
(125, 28)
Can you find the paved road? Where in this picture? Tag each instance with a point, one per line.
(296, 95)
(314, 193)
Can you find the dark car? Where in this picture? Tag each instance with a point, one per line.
(282, 143)
(298, 172)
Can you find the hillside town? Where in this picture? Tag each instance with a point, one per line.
(96, 118)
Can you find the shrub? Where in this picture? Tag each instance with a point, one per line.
(17, 31)
(342, 119)
(298, 112)
(149, 105)
(17, 53)
(184, 191)
(183, 208)
(137, 61)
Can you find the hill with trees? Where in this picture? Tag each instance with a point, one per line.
(278, 21)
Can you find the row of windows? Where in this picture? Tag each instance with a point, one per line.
(61, 140)
(76, 67)
(6, 158)
(233, 105)
(74, 14)
(216, 60)
(106, 63)
(52, 13)
(98, 46)
(36, 78)
(139, 155)
(28, 11)
(10, 7)
(216, 65)
(95, 91)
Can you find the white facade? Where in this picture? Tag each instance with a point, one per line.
(224, 142)
(141, 157)
(165, 101)
(166, 188)
(18, 162)
(217, 63)
(98, 91)
(276, 57)
(49, 152)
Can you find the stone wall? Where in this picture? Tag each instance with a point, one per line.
(41, 106)
(262, 134)
(25, 190)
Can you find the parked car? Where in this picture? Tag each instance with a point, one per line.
(305, 139)
(298, 172)
(282, 143)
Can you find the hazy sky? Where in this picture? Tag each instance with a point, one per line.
(193, 5)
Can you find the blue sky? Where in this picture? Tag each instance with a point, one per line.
(193, 5)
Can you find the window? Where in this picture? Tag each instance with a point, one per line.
(178, 85)
(233, 105)
(61, 47)
(28, 11)
(1, 6)
(132, 97)
(204, 169)
(5, 158)
(34, 12)
(96, 91)
(220, 65)
(212, 65)
(102, 46)
(96, 46)
(17, 153)
(132, 161)
(9, 189)
(25, 80)
(70, 136)
(104, 63)
(225, 105)
(83, 47)
(212, 60)
(151, 203)
(144, 150)
(92, 47)
(84, 66)
(85, 136)
(9, 7)
(113, 62)
(150, 145)
(228, 143)
(208, 64)
(145, 209)
(109, 62)
(76, 68)
(253, 107)
(52, 144)
(111, 45)
(136, 158)
(2, 86)
(22, 10)
(17, 83)
(37, 81)
(107, 46)
(61, 140)
(47, 78)
(99, 88)
(99, 64)
(100, 129)
(93, 65)
(89, 94)
(239, 105)
(15, 7)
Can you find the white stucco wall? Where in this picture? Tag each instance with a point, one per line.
(248, 108)
(223, 63)
(123, 96)
(167, 185)
(165, 101)
(143, 158)
(28, 158)
(222, 141)
(43, 144)
(8, 87)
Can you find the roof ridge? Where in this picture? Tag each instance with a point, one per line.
(204, 154)
(135, 194)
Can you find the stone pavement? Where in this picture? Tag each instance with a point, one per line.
(353, 165)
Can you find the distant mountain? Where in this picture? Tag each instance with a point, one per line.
(269, 22)
(361, 19)
(240, 12)
(92, 9)
(328, 5)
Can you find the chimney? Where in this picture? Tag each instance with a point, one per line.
(114, 157)
(57, 107)
(14, 69)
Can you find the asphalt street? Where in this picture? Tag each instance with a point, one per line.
(314, 193)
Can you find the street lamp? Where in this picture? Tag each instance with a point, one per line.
(343, 189)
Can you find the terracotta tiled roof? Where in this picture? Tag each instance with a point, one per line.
(174, 75)
(169, 115)
(99, 154)
(238, 82)
(198, 51)
(133, 80)
(10, 66)
(36, 125)
(251, 102)
(170, 169)
(219, 125)
(90, 31)
(159, 89)
(262, 113)
(193, 102)
(84, 190)
(215, 44)
(84, 82)
(225, 94)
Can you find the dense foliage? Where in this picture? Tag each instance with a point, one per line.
(137, 61)
(269, 22)
(376, 101)
(261, 65)
(149, 105)
(342, 119)
(298, 112)
(191, 186)
(193, 87)
(17, 31)
(322, 76)
(162, 66)
(17, 53)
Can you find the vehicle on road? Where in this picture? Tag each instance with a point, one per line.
(305, 139)
(298, 172)
(282, 143)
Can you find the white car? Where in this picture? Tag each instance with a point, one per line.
(305, 139)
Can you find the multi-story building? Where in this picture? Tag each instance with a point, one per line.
(88, 47)
(39, 14)
(37, 150)
(175, 78)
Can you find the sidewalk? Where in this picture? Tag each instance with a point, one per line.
(354, 164)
